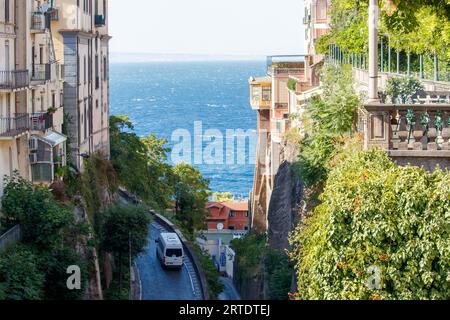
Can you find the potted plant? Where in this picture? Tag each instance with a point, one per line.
(51, 110)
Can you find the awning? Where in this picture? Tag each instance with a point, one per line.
(53, 138)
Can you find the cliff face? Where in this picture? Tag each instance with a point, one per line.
(284, 206)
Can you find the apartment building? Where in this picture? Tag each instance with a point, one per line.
(82, 46)
(31, 113)
(290, 82)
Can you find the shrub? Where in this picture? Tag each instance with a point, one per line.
(376, 216)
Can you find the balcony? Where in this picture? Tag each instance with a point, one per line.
(41, 121)
(53, 14)
(47, 154)
(409, 132)
(307, 19)
(22, 122)
(99, 20)
(13, 80)
(286, 65)
(14, 126)
(39, 21)
(41, 73)
(260, 93)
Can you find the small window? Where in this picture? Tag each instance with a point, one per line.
(232, 214)
(231, 228)
(246, 228)
(256, 93)
(247, 214)
(266, 93)
(174, 253)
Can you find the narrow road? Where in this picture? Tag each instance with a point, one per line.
(229, 291)
(160, 284)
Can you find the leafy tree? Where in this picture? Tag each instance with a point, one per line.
(20, 277)
(125, 226)
(376, 215)
(140, 163)
(191, 196)
(222, 197)
(41, 218)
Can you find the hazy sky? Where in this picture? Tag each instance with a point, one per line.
(230, 27)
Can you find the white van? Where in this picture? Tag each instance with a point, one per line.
(169, 250)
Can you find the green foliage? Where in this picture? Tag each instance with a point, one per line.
(55, 263)
(191, 195)
(41, 218)
(401, 90)
(20, 277)
(140, 163)
(315, 154)
(292, 85)
(327, 119)
(223, 197)
(124, 225)
(215, 287)
(279, 271)
(254, 256)
(416, 26)
(375, 213)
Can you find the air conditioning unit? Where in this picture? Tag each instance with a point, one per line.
(33, 158)
(33, 144)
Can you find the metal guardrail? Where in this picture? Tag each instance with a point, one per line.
(12, 236)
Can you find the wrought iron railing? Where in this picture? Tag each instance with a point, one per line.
(21, 122)
(41, 72)
(14, 79)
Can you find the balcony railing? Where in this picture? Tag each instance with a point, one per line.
(11, 126)
(14, 79)
(53, 14)
(41, 121)
(22, 122)
(39, 21)
(41, 72)
(99, 20)
(417, 130)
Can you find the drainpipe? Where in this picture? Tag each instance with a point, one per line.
(373, 51)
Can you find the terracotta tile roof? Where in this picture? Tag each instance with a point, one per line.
(236, 206)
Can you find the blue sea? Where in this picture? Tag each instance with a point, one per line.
(165, 97)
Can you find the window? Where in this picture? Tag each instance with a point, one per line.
(266, 93)
(105, 69)
(174, 253)
(7, 13)
(247, 214)
(232, 214)
(96, 104)
(256, 93)
(246, 228)
(231, 228)
(85, 70)
(321, 10)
